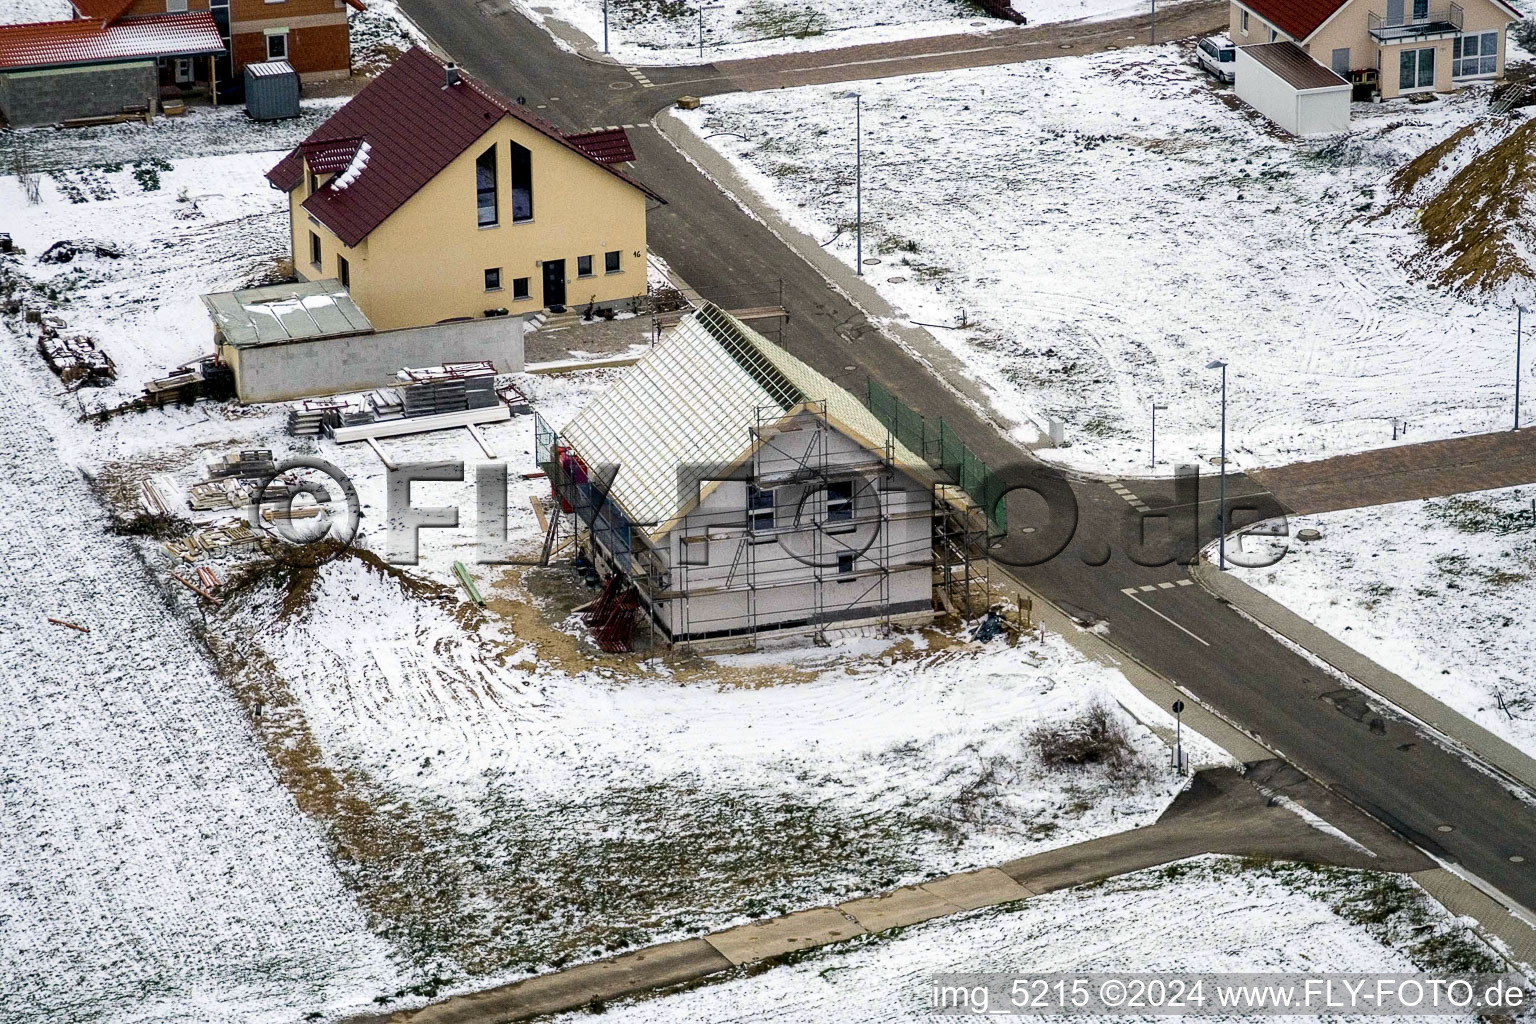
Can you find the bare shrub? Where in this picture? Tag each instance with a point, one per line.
(1093, 737)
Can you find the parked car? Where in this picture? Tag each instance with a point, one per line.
(1218, 57)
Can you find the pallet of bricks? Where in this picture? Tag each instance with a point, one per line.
(452, 387)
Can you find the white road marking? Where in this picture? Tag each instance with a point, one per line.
(1148, 589)
(1166, 619)
(1165, 586)
(1185, 583)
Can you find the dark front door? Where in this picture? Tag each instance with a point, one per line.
(554, 283)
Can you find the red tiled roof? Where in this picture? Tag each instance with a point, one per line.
(1296, 18)
(414, 127)
(101, 10)
(609, 146)
(51, 43)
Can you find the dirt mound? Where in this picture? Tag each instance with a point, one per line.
(1477, 218)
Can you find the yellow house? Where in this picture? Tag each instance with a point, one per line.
(1409, 45)
(431, 198)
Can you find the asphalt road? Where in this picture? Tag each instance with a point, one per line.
(1381, 763)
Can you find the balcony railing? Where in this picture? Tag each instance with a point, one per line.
(1413, 24)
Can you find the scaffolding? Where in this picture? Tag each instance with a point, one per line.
(745, 506)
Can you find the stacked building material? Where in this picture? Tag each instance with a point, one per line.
(76, 361)
(185, 385)
(452, 387)
(246, 465)
(386, 404)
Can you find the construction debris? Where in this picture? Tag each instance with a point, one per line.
(71, 625)
(69, 248)
(612, 616)
(76, 361)
(462, 573)
(247, 465)
(199, 591)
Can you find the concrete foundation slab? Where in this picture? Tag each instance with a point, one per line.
(765, 939)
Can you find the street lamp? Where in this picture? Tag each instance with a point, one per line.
(1155, 407)
(702, 8)
(1217, 364)
(858, 178)
(605, 25)
(1520, 311)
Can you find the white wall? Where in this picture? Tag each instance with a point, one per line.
(1315, 112)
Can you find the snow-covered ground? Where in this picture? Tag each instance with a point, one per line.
(1442, 592)
(350, 786)
(1124, 227)
(16, 12)
(1208, 915)
(653, 32)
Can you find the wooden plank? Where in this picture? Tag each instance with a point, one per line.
(479, 440)
(469, 584)
(538, 510)
(379, 452)
(71, 625)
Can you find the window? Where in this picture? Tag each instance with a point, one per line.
(522, 184)
(695, 551)
(759, 508)
(1243, 19)
(845, 561)
(277, 45)
(840, 501)
(611, 262)
(1273, 35)
(175, 6)
(343, 271)
(1476, 54)
(493, 279)
(519, 287)
(1340, 62)
(1416, 69)
(314, 182)
(1420, 10)
(583, 266)
(485, 188)
(314, 249)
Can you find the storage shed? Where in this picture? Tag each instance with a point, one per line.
(271, 91)
(1282, 82)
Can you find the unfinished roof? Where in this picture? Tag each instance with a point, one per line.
(1294, 65)
(1296, 18)
(278, 313)
(695, 400)
(414, 126)
(54, 43)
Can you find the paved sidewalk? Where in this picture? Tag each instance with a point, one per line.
(1457, 465)
(1390, 686)
(1221, 812)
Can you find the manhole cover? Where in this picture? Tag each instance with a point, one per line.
(1065, 46)
(872, 261)
(1308, 535)
(850, 368)
(1517, 859)
(1445, 828)
(898, 279)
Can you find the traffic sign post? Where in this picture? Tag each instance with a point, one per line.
(1179, 764)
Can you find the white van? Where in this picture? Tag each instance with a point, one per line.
(1218, 57)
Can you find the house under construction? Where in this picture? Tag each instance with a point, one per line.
(731, 491)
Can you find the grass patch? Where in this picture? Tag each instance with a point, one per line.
(1468, 225)
(1483, 515)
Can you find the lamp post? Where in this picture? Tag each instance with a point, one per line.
(702, 8)
(1155, 407)
(1217, 364)
(1520, 312)
(605, 26)
(858, 178)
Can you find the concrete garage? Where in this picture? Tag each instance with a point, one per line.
(288, 341)
(1282, 82)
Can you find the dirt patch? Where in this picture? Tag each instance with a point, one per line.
(1472, 225)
